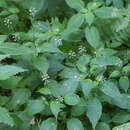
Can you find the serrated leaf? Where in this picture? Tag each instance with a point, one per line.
(107, 12)
(74, 124)
(89, 17)
(111, 90)
(93, 37)
(94, 111)
(49, 124)
(83, 62)
(5, 117)
(14, 49)
(56, 107)
(8, 70)
(76, 4)
(71, 99)
(86, 86)
(125, 126)
(75, 22)
(124, 83)
(20, 97)
(102, 126)
(41, 63)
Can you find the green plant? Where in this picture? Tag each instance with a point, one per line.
(64, 68)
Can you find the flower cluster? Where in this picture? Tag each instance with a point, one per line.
(72, 54)
(82, 49)
(32, 11)
(78, 77)
(59, 41)
(16, 37)
(60, 99)
(7, 22)
(45, 77)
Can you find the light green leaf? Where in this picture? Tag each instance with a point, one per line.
(41, 63)
(34, 107)
(89, 17)
(111, 90)
(49, 124)
(93, 5)
(3, 3)
(108, 52)
(102, 126)
(125, 126)
(8, 70)
(124, 83)
(86, 86)
(83, 62)
(94, 111)
(93, 37)
(74, 124)
(20, 97)
(75, 4)
(107, 60)
(5, 117)
(115, 74)
(3, 57)
(71, 99)
(75, 22)
(14, 49)
(107, 12)
(118, 3)
(56, 107)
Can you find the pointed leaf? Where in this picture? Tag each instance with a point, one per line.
(89, 18)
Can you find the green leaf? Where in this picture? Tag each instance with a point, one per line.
(102, 126)
(115, 74)
(75, 4)
(34, 107)
(5, 117)
(77, 110)
(108, 60)
(20, 97)
(3, 57)
(41, 63)
(3, 4)
(94, 111)
(74, 124)
(93, 5)
(8, 70)
(3, 38)
(111, 90)
(89, 17)
(87, 86)
(93, 37)
(49, 124)
(56, 107)
(125, 126)
(124, 83)
(83, 62)
(71, 99)
(108, 52)
(121, 117)
(118, 3)
(107, 13)
(14, 49)
(75, 22)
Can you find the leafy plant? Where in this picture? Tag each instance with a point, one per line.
(64, 64)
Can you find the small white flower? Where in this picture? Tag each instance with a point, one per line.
(16, 37)
(32, 11)
(59, 99)
(7, 22)
(59, 41)
(78, 77)
(71, 54)
(82, 49)
(45, 77)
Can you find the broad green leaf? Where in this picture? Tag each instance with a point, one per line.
(20, 97)
(3, 57)
(86, 86)
(115, 74)
(75, 22)
(74, 124)
(71, 99)
(77, 110)
(93, 37)
(5, 117)
(89, 17)
(14, 49)
(34, 107)
(56, 107)
(121, 117)
(124, 83)
(118, 3)
(111, 90)
(8, 70)
(125, 126)
(107, 13)
(93, 5)
(41, 63)
(94, 111)
(3, 4)
(102, 126)
(49, 124)
(108, 52)
(83, 62)
(75, 4)
(108, 60)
